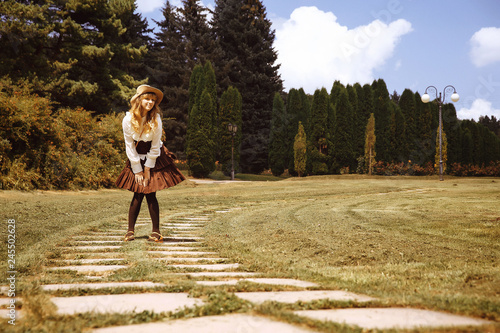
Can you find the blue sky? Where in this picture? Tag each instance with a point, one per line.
(408, 43)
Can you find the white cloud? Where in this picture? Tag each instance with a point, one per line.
(148, 6)
(480, 107)
(485, 48)
(314, 49)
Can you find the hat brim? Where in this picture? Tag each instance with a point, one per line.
(144, 89)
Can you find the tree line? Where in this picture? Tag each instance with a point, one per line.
(86, 57)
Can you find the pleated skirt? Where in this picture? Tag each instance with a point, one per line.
(164, 175)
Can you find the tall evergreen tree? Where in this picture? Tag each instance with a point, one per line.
(382, 112)
(408, 107)
(444, 151)
(343, 153)
(201, 132)
(318, 138)
(168, 70)
(300, 151)
(297, 110)
(230, 112)
(278, 138)
(398, 151)
(244, 33)
(362, 115)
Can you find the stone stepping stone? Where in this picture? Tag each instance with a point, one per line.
(177, 227)
(392, 318)
(218, 274)
(142, 284)
(304, 296)
(179, 244)
(91, 248)
(5, 313)
(157, 302)
(208, 267)
(233, 323)
(190, 259)
(89, 268)
(165, 247)
(96, 241)
(96, 237)
(186, 239)
(88, 261)
(281, 282)
(182, 253)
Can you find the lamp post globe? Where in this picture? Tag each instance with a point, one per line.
(455, 97)
(426, 98)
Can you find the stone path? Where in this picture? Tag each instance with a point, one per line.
(96, 257)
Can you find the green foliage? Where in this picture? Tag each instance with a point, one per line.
(202, 132)
(245, 34)
(278, 138)
(229, 112)
(318, 138)
(300, 151)
(343, 153)
(44, 149)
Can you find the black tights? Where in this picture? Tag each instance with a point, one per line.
(135, 207)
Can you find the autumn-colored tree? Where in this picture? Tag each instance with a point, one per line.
(444, 151)
(370, 140)
(300, 151)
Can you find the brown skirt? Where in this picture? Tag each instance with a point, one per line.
(164, 175)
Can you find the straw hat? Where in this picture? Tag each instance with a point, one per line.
(143, 89)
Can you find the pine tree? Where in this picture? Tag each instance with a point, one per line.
(398, 151)
(408, 107)
(318, 137)
(300, 151)
(370, 140)
(230, 112)
(278, 138)
(382, 113)
(342, 145)
(168, 70)
(244, 33)
(201, 132)
(297, 109)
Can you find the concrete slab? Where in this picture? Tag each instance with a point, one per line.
(281, 282)
(180, 239)
(97, 237)
(89, 268)
(208, 267)
(89, 242)
(165, 247)
(304, 296)
(154, 302)
(284, 282)
(392, 318)
(69, 286)
(90, 248)
(183, 253)
(190, 259)
(218, 283)
(5, 313)
(219, 274)
(88, 261)
(175, 243)
(233, 323)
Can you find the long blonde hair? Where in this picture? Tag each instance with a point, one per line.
(136, 110)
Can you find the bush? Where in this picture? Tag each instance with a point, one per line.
(46, 149)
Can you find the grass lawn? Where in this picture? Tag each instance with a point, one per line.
(409, 241)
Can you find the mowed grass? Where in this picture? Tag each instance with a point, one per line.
(409, 241)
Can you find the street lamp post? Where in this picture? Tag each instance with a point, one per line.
(233, 128)
(440, 99)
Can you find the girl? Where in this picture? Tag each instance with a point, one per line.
(150, 166)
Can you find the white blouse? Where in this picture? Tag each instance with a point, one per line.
(131, 136)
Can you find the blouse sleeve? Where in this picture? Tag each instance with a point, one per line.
(133, 156)
(154, 151)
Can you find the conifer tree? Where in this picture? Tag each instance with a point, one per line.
(244, 32)
(300, 151)
(398, 151)
(169, 71)
(342, 146)
(278, 138)
(297, 109)
(318, 137)
(370, 140)
(382, 113)
(201, 132)
(230, 112)
(408, 107)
